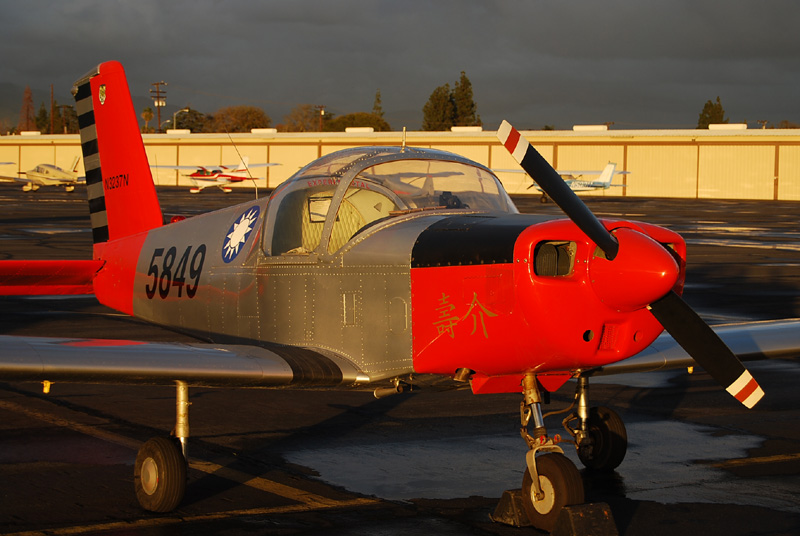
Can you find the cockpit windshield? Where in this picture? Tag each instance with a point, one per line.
(329, 201)
(420, 184)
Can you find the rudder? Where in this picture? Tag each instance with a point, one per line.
(608, 174)
(119, 184)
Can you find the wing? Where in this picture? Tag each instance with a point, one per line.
(262, 165)
(158, 363)
(750, 341)
(214, 166)
(181, 167)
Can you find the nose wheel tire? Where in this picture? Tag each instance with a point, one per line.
(160, 475)
(561, 484)
(607, 443)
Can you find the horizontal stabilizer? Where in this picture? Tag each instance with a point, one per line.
(21, 278)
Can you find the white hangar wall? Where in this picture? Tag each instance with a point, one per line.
(721, 164)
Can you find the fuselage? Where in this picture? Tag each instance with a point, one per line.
(338, 260)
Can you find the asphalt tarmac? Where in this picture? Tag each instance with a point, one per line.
(311, 462)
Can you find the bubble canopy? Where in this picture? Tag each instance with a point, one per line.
(322, 206)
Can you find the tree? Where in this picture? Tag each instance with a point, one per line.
(43, 120)
(466, 111)
(6, 128)
(439, 111)
(358, 119)
(193, 120)
(712, 113)
(303, 118)
(377, 107)
(27, 117)
(69, 120)
(446, 108)
(147, 115)
(238, 119)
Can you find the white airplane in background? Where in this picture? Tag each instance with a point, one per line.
(218, 175)
(47, 175)
(575, 182)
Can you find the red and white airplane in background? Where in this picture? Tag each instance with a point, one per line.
(47, 175)
(218, 175)
(368, 269)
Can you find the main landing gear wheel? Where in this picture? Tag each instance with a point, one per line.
(160, 475)
(561, 485)
(607, 440)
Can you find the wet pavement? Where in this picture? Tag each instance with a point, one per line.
(290, 462)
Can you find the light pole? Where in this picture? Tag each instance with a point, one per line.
(321, 109)
(175, 115)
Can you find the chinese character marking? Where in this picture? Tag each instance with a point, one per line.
(447, 321)
(477, 310)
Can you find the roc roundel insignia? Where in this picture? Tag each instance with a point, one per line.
(239, 232)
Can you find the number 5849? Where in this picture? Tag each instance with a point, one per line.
(168, 271)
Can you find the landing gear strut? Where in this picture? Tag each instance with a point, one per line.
(600, 435)
(160, 472)
(551, 480)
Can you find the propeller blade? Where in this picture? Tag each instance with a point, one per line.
(705, 347)
(554, 186)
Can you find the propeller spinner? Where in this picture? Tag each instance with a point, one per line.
(674, 314)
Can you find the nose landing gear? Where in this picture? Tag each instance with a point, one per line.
(551, 480)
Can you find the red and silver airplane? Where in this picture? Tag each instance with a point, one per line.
(218, 175)
(366, 269)
(47, 175)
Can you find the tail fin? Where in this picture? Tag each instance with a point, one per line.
(119, 184)
(243, 163)
(74, 167)
(607, 174)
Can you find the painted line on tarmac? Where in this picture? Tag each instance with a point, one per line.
(739, 462)
(85, 429)
(310, 500)
(307, 500)
(175, 519)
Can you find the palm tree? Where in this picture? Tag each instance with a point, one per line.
(147, 115)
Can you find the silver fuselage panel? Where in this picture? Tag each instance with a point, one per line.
(324, 264)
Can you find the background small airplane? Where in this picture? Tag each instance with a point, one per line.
(218, 175)
(47, 175)
(576, 183)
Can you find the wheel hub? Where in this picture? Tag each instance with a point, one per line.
(149, 476)
(545, 505)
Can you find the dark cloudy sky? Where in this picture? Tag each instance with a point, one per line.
(641, 64)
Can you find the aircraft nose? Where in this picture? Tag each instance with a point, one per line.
(642, 272)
